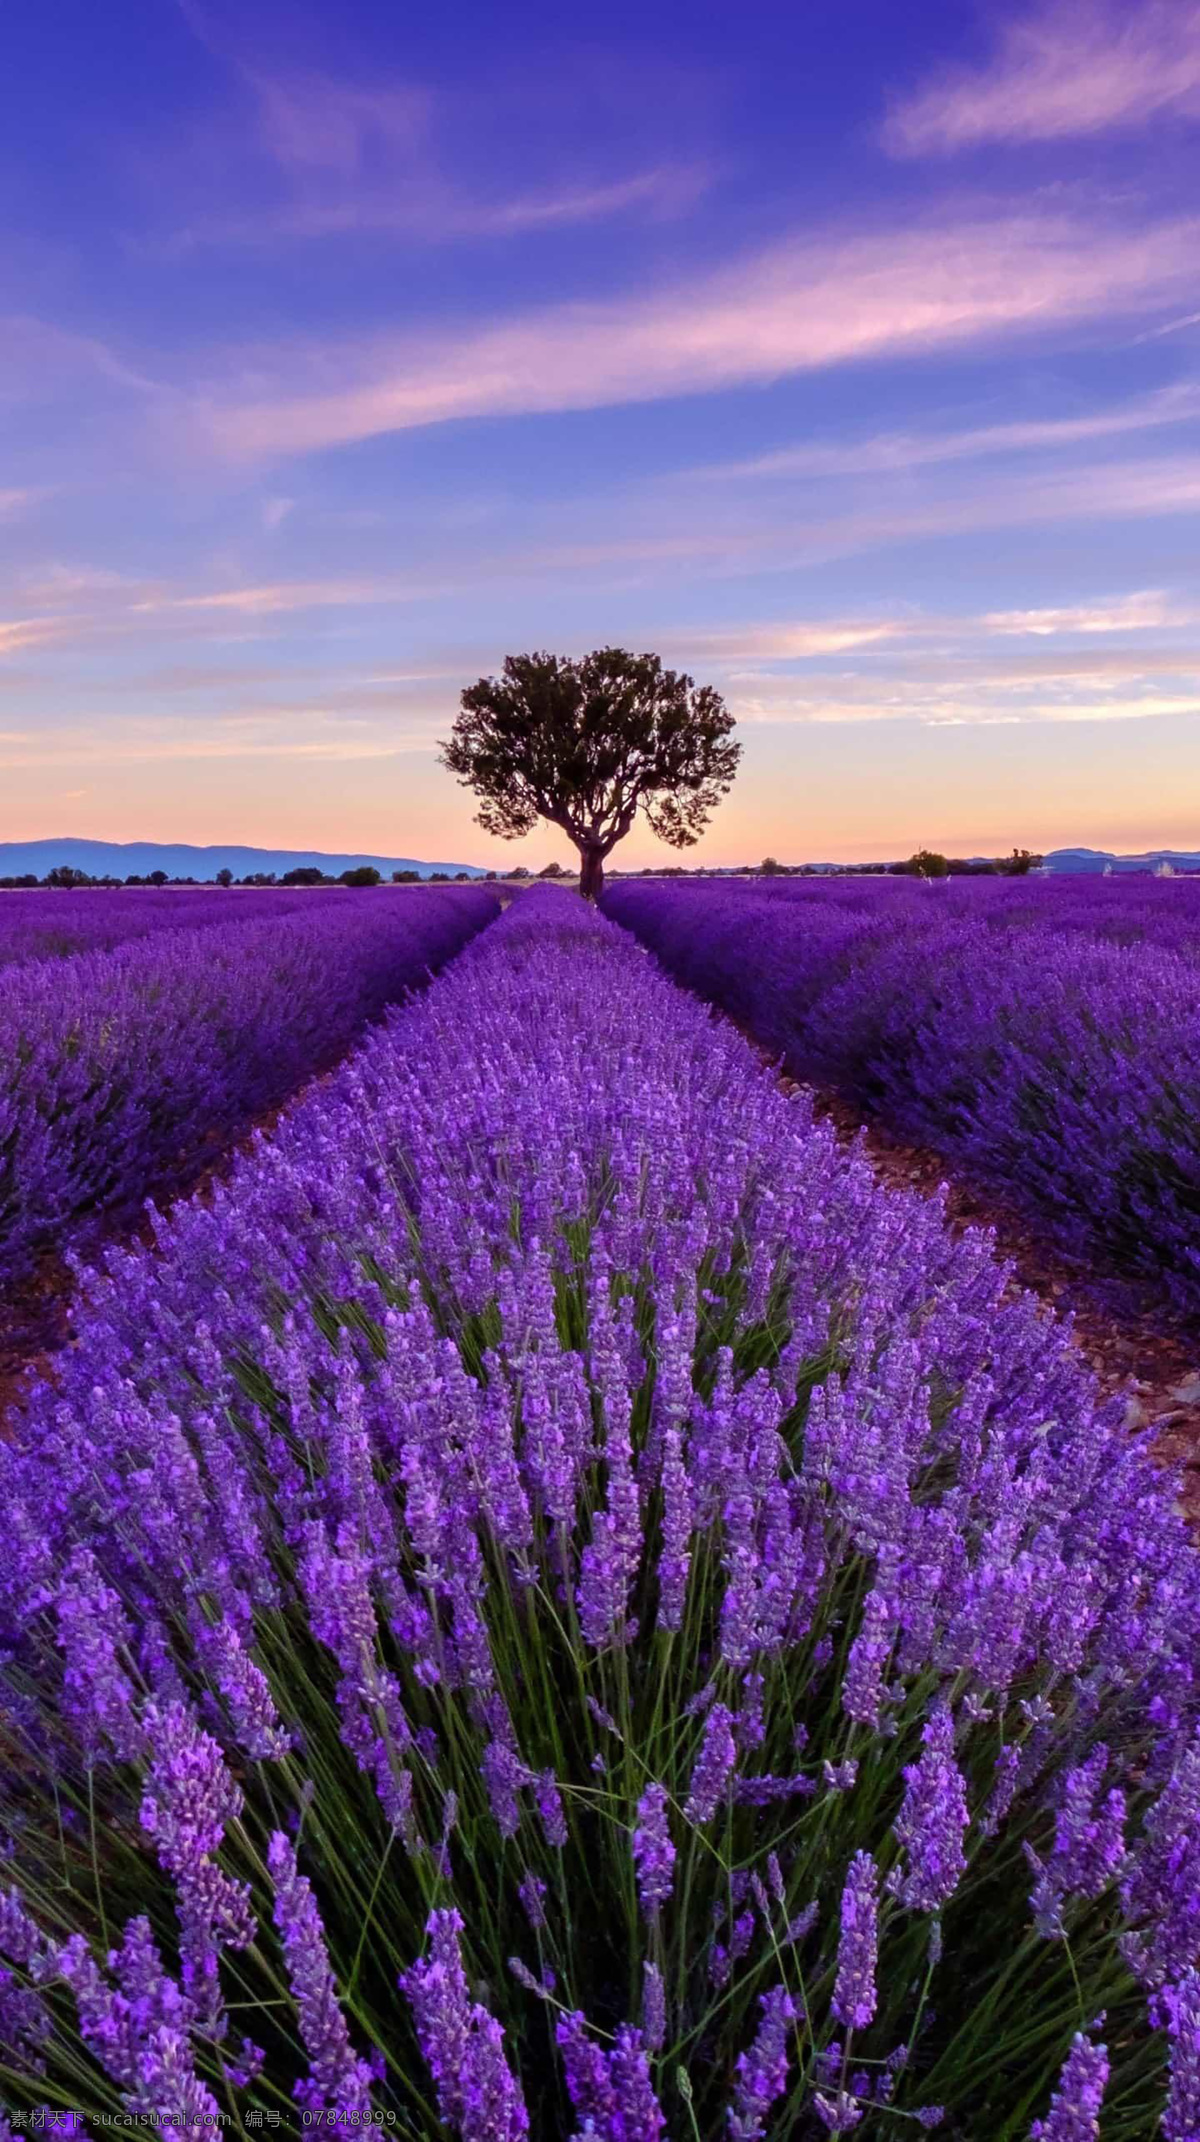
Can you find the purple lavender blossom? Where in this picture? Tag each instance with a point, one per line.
(610, 2091)
(933, 1821)
(1075, 2106)
(463, 2045)
(653, 1851)
(839, 2115)
(93, 1631)
(337, 2079)
(713, 1770)
(1181, 2120)
(189, 1800)
(763, 2071)
(654, 2008)
(862, 1683)
(854, 1995)
(550, 1808)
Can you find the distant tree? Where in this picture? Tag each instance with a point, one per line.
(307, 874)
(157, 877)
(552, 870)
(1018, 864)
(462, 877)
(364, 874)
(225, 875)
(769, 868)
(259, 877)
(519, 872)
(439, 877)
(491, 875)
(927, 863)
(65, 878)
(587, 744)
(406, 877)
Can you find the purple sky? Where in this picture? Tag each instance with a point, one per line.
(848, 354)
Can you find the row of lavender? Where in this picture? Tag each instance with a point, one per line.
(55, 925)
(120, 1069)
(552, 1605)
(1062, 1067)
(1120, 910)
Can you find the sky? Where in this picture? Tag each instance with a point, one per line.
(846, 354)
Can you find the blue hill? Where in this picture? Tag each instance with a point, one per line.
(137, 858)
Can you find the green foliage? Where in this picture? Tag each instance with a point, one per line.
(1018, 864)
(587, 744)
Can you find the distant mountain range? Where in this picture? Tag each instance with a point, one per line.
(137, 858)
(1097, 860)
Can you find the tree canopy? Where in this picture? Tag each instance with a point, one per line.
(586, 744)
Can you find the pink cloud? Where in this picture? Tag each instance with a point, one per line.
(799, 306)
(1071, 68)
(888, 453)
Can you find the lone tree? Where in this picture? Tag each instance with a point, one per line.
(587, 744)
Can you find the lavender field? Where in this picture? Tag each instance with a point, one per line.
(121, 1068)
(548, 1603)
(1044, 1036)
(46, 925)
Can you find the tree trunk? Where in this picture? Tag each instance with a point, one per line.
(591, 873)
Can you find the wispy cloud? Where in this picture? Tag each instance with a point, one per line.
(1169, 327)
(1141, 612)
(1075, 67)
(881, 641)
(887, 453)
(385, 158)
(790, 642)
(431, 212)
(36, 355)
(19, 632)
(802, 305)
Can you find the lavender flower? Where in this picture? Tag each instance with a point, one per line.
(531, 1891)
(550, 1808)
(1181, 2120)
(933, 1821)
(854, 1995)
(653, 1851)
(463, 2045)
(610, 2090)
(1075, 2106)
(189, 1800)
(337, 2079)
(838, 2115)
(654, 2008)
(714, 1766)
(763, 2070)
